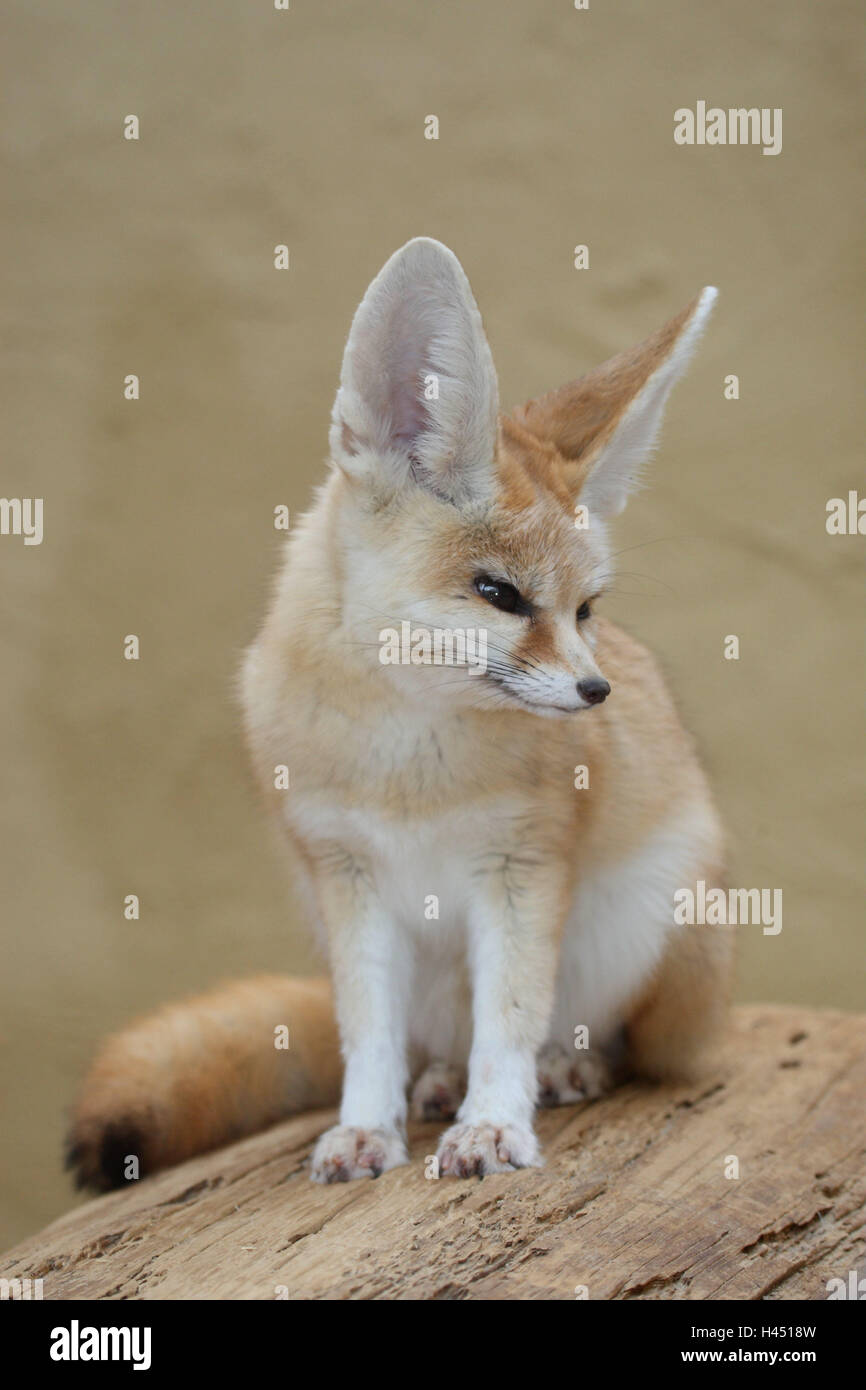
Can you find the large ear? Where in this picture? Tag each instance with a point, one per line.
(606, 422)
(418, 390)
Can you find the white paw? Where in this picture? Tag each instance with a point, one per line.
(345, 1152)
(438, 1092)
(466, 1151)
(565, 1078)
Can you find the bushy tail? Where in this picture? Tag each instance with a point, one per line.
(200, 1073)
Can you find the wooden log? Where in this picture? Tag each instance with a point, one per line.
(635, 1201)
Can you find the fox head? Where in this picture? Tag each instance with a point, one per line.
(462, 520)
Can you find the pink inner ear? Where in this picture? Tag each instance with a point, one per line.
(403, 375)
(418, 319)
(412, 425)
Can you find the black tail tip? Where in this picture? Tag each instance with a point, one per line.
(106, 1159)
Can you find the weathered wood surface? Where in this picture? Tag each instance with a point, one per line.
(633, 1202)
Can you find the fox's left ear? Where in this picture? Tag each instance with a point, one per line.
(606, 423)
(418, 398)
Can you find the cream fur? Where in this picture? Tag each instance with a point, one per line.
(414, 783)
(555, 905)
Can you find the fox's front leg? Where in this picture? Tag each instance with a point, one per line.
(371, 965)
(514, 930)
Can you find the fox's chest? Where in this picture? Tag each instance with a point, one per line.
(423, 865)
(423, 808)
(422, 813)
(407, 767)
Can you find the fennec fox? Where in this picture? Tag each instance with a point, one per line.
(481, 907)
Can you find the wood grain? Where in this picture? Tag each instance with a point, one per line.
(633, 1202)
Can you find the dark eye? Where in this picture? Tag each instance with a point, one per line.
(500, 594)
(584, 612)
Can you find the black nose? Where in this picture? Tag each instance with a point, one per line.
(593, 691)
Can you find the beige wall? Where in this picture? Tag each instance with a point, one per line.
(156, 258)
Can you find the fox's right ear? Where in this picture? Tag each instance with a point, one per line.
(418, 396)
(605, 424)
